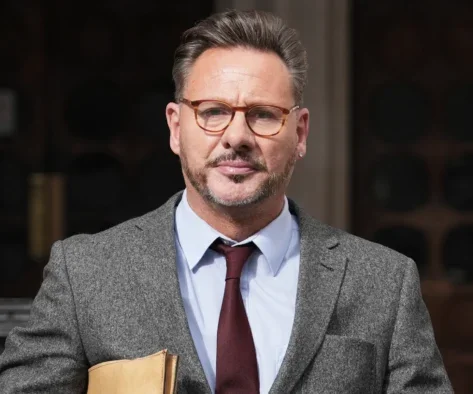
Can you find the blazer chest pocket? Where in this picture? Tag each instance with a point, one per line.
(342, 365)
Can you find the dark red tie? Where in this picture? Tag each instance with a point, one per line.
(237, 368)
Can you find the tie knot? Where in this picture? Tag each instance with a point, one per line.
(235, 256)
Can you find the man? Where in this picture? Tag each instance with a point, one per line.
(313, 310)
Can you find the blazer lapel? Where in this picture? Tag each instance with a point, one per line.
(154, 266)
(321, 273)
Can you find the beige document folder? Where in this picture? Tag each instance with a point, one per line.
(154, 374)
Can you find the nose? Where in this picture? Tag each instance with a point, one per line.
(238, 135)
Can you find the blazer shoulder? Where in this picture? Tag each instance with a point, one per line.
(111, 244)
(368, 264)
(373, 255)
(115, 235)
(360, 252)
(122, 235)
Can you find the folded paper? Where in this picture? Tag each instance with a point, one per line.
(154, 374)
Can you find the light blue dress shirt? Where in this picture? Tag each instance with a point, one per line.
(268, 286)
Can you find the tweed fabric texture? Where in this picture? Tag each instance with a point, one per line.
(360, 323)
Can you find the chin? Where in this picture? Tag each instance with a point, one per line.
(237, 192)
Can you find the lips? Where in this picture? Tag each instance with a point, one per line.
(235, 167)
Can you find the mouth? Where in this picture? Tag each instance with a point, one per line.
(236, 168)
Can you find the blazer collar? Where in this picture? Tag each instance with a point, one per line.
(322, 268)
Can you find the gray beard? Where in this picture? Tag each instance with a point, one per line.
(267, 189)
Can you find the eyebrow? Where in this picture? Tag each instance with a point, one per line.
(251, 103)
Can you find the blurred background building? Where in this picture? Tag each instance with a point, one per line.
(84, 142)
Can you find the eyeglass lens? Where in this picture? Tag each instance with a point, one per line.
(216, 116)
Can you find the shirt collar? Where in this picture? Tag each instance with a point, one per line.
(274, 239)
(195, 236)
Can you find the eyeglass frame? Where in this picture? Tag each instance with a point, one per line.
(194, 104)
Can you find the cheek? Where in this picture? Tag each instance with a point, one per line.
(277, 156)
(196, 145)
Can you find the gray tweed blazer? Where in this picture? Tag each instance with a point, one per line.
(360, 324)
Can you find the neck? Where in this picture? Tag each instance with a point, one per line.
(237, 223)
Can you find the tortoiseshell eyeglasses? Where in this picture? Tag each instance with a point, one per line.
(215, 116)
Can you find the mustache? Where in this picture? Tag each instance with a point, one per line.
(257, 165)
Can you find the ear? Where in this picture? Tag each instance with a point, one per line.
(172, 116)
(302, 129)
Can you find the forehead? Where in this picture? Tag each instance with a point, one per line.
(240, 76)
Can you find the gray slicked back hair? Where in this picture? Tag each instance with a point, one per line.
(257, 30)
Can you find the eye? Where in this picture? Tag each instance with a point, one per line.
(262, 114)
(265, 113)
(211, 110)
(216, 111)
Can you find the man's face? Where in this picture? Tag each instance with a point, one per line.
(237, 167)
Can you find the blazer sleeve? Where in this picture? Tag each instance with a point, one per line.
(47, 355)
(415, 364)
